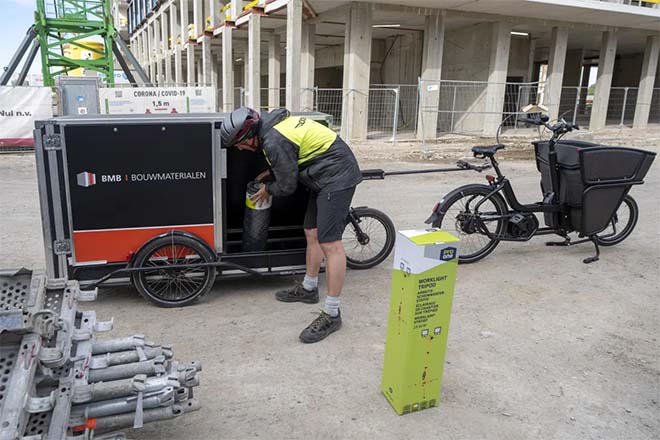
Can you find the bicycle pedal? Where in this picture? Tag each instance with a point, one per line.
(590, 260)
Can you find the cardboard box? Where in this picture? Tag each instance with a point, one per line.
(420, 307)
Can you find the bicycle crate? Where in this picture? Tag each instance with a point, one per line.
(592, 181)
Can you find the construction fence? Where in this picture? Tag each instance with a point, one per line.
(458, 107)
(395, 112)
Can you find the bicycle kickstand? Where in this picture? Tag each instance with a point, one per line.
(595, 257)
(566, 242)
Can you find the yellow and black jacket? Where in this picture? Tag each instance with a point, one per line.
(298, 148)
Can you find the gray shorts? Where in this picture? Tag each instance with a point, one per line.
(327, 211)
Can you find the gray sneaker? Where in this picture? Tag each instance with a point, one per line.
(320, 328)
(298, 293)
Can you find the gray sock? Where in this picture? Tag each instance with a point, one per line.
(310, 283)
(331, 306)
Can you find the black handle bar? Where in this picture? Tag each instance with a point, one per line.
(558, 128)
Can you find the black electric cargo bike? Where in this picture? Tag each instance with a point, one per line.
(585, 190)
(158, 202)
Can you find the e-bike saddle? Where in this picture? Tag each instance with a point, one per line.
(487, 150)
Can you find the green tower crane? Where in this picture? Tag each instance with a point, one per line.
(86, 25)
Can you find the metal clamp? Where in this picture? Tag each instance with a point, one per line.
(62, 247)
(98, 362)
(40, 404)
(52, 142)
(87, 295)
(104, 326)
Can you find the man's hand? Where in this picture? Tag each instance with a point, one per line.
(260, 195)
(262, 176)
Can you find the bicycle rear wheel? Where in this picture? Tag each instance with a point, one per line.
(459, 218)
(370, 242)
(621, 225)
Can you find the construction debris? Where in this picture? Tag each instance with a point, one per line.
(57, 381)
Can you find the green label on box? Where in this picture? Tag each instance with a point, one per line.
(420, 308)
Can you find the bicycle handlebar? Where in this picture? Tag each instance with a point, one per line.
(559, 128)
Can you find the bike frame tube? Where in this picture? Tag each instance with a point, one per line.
(504, 185)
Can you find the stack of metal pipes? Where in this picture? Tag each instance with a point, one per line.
(57, 381)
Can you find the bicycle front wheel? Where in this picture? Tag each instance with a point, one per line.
(370, 241)
(459, 218)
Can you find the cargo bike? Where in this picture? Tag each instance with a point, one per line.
(158, 202)
(585, 189)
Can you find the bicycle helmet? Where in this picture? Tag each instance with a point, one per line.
(239, 125)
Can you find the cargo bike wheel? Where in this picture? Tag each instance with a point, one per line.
(458, 215)
(621, 225)
(368, 238)
(170, 277)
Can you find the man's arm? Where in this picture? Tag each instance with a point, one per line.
(283, 158)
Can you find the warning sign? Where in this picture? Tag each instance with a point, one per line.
(155, 100)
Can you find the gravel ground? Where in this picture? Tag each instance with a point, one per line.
(540, 345)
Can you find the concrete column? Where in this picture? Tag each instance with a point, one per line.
(183, 32)
(227, 70)
(199, 71)
(198, 17)
(497, 72)
(646, 82)
(150, 53)
(214, 13)
(158, 57)
(604, 81)
(177, 41)
(217, 71)
(584, 89)
(556, 63)
(254, 62)
(139, 49)
(573, 67)
(293, 46)
(167, 44)
(215, 67)
(246, 74)
(144, 47)
(434, 40)
(207, 61)
(308, 59)
(528, 93)
(357, 67)
(190, 64)
(274, 56)
(530, 60)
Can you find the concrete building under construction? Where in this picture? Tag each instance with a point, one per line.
(422, 66)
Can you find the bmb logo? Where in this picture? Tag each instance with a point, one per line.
(86, 179)
(448, 254)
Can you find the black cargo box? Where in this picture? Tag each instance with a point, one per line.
(593, 179)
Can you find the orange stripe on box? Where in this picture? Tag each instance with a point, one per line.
(118, 245)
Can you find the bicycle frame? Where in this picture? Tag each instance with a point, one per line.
(501, 184)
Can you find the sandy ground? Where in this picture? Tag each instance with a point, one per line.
(540, 346)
